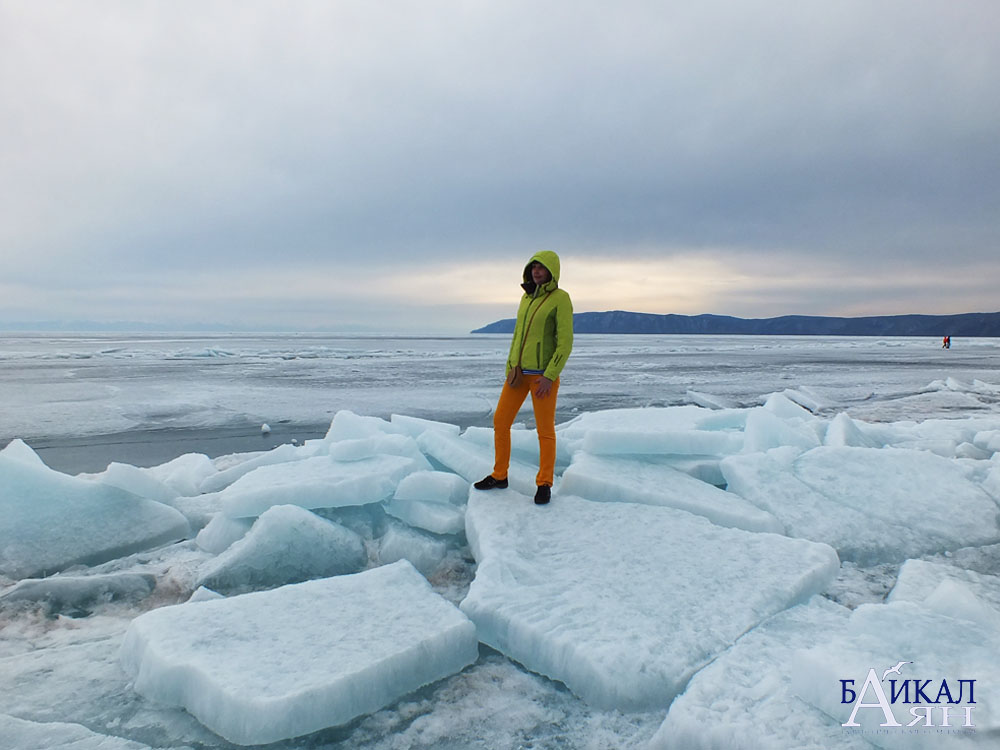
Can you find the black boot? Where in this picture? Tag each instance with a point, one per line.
(542, 494)
(489, 483)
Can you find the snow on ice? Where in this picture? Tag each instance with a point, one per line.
(277, 664)
(670, 577)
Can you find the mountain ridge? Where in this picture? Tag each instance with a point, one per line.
(623, 321)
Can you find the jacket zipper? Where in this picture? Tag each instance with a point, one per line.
(527, 327)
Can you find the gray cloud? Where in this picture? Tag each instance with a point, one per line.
(211, 136)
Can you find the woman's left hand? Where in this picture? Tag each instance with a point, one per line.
(544, 387)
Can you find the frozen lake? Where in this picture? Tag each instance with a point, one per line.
(85, 400)
(730, 513)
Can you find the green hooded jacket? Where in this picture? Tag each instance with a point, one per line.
(543, 333)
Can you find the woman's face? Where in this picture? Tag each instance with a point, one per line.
(539, 273)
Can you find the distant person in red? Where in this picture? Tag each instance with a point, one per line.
(946, 342)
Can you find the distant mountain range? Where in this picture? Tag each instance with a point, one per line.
(620, 321)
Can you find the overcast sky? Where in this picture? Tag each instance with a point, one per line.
(391, 166)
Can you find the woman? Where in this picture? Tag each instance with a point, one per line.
(543, 339)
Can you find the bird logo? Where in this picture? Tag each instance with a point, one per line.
(895, 669)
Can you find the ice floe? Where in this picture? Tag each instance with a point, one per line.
(424, 552)
(626, 623)
(52, 521)
(960, 593)
(781, 684)
(219, 533)
(378, 445)
(743, 699)
(872, 505)
(137, 481)
(440, 518)
(19, 734)
(665, 442)
(433, 486)
(64, 592)
(287, 544)
(608, 479)
(316, 482)
(897, 651)
(276, 664)
(221, 479)
(415, 427)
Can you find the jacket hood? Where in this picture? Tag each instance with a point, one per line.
(548, 259)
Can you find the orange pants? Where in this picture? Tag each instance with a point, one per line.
(545, 423)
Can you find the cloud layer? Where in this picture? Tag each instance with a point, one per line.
(393, 164)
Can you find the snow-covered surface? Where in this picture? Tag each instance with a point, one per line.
(886, 449)
(249, 667)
